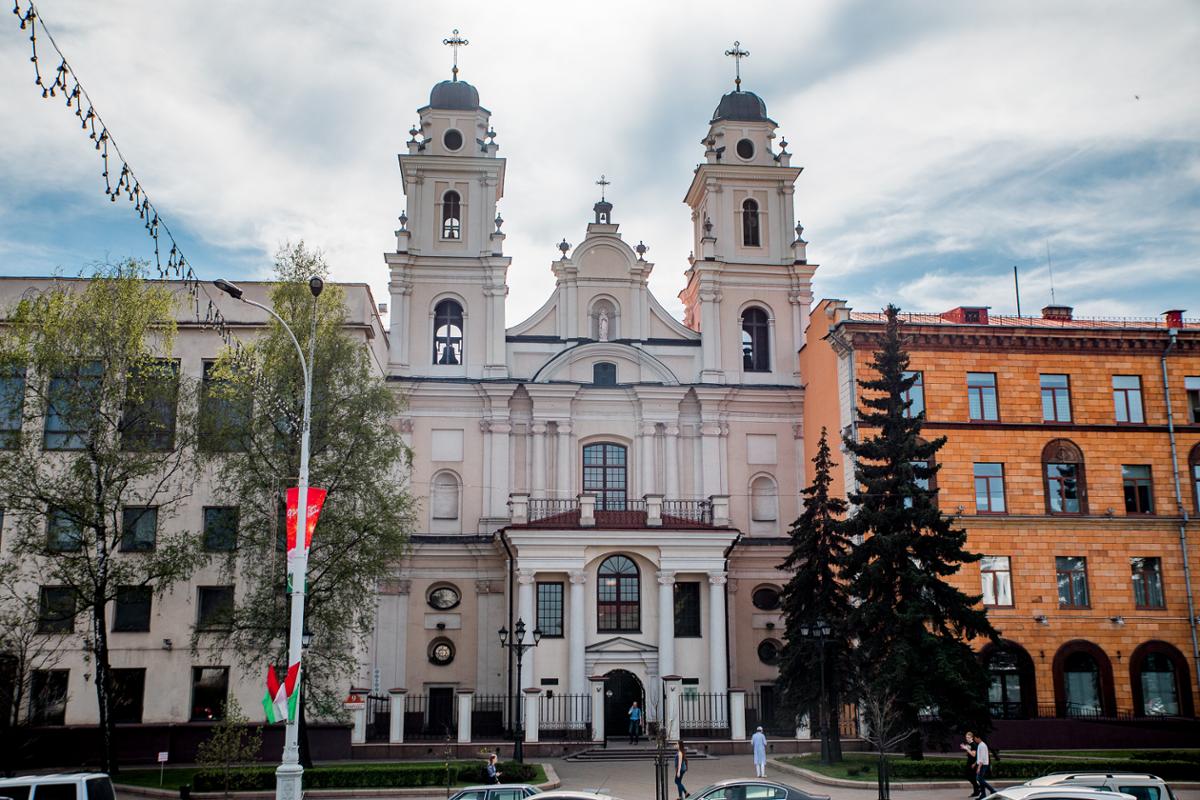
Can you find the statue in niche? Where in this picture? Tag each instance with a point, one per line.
(602, 324)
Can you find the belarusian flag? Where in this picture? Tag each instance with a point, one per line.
(280, 700)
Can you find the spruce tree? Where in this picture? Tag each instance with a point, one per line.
(908, 620)
(815, 593)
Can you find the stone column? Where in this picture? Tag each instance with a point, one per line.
(710, 456)
(500, 480)
(646, 446)
(358, 717)
(737, 714)
(526, 612)
(666, 623)
(538, 490)
(563, 486)
(400, 654)
(710, 334)
(518, 509)
(466, 700)
(577, 636)
(533, 697)
(396, 720)
(718, 678)
(597, 691)
(671, 446)
(674, 692)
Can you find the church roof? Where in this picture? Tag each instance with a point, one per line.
(743, 107)
(454, 95)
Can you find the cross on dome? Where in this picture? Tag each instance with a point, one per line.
(603, 183)
(455, 41)
(738, 54)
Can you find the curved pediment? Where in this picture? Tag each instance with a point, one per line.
(634, 365)
(606, 257)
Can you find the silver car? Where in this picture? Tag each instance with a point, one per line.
(757, 789)
(503, 791)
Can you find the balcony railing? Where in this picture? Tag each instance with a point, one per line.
(651, 511)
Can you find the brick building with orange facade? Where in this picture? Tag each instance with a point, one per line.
(1060, 461)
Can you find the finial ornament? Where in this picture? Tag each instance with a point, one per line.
(455, 41)
(603, 183)
(564, 247)
(499, 221)
(738, 54)
(403, 218)
(641, 250)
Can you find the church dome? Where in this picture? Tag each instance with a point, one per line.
(741, 106)
(454, 95)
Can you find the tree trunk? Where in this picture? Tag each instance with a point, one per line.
(103, 677)
(912, 743)
(835, 730)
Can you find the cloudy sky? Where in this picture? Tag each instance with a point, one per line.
(943, 143)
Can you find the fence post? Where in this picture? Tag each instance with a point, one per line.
(356, 704)
(587, 510)
(597, 685)
(654, 508)
(672, 683)
(396, 716)
(720, 510)
(533, 705)
(466, 701)
(737, 714)
(519, 503)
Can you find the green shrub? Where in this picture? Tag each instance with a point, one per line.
(371, 776)
(1016, 769)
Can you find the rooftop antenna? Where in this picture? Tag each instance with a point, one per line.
(1017, 287)
(455, 41)
(738, 54)
(1050, 266)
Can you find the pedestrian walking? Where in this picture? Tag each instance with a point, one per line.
(493, 773)
(968, 747)
(983, 766)
(681, 769)
(635, 722)
(759, 742)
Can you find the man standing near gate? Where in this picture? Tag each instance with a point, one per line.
(635, 722)
(759, 742)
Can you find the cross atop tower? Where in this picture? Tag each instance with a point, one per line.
(603, 183)
(455, 41)
(738, 54)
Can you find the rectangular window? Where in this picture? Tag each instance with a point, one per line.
(71, 406)
(922, 483)
(214, 607)
(1192, 387)
(604, 373)
(129, 690)
(224, 413)
(48, 696)
(550, 609)
(12, 405)
(220, 529)
(131, 611)
(982, 396)
(139, 528)
(1071, 572)
(687, 609)
(995, 572)
(1062, 488)
(1147, 582)
(915, 396)
(989, 488)
(1056, 398)
(210, 688)
(64, 534)
(1127, 398)
(1139, 494)
(151, 396)
(56, 609)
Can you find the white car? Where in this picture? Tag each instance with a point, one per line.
(65, 786)
(563, 794)
(1141, 785)
(1027, 792)
(497, 791)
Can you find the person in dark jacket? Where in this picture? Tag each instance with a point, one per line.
(968, 747)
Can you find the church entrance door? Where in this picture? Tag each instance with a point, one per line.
(621, 689)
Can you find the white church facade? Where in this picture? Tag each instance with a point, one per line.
(619, 479)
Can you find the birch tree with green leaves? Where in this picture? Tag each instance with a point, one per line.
(97, 434)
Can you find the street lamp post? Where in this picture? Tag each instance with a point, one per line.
(818, 632)
(518, 645)
(289, 774)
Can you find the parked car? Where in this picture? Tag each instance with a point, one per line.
(64, 786)
(510, 791)
(563, 794)
(760, 789)
(1141, 785)
(1063, 792)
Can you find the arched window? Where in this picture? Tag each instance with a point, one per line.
(1062, 472)
(604, 474)
(1161, 681)
(447, 333)
(444, 496)
(756, 346)
(764, 500)
(1011, 686)
(618, 596)
(750, 231)
(451, 215)
(1194, 472)
(604, 373)
(1083, 681)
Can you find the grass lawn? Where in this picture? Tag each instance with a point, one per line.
(863, 765)
(174, 777)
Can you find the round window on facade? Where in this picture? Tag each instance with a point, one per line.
(766, 598)
(441, 652)
(444, 598)
(768, 652)
(452, 139)
(745, 149)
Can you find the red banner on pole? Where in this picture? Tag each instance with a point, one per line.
(316, 498)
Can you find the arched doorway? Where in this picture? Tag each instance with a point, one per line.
(621, 689)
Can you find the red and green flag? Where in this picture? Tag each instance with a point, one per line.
(280, 700)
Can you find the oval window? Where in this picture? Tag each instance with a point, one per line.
(768, 652)
(745, 149)
(765, 598)
(453, 139)
(441, 652)
(444, 598)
